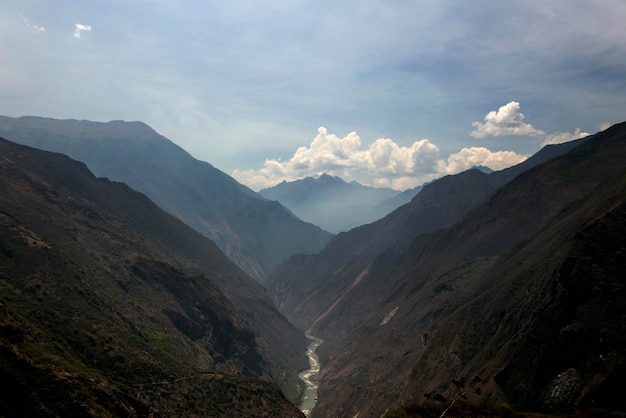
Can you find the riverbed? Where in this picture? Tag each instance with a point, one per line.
(309, 399)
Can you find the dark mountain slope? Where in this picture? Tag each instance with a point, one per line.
(305, 287)
(547, 322)
(255, 233)
(330, 202)
(523, 291)
(389, 205)
(110, 306)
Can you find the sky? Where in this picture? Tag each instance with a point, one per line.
(388, 93)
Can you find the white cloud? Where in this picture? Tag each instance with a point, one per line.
(383, 163)
(508, 120)
(480, 156)
(561, 137)
(347, 158)
(33, 26)
(79, 27)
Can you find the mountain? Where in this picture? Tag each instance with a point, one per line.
(256, 234)
(306, 286)
(112, 307)
(330, 202)
(523, 292)
(522, 289)
(387, 206)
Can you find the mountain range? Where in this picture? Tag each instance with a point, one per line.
(255, 233)
(112, 307)
(513, 279)
(438, 205)
(487, 294)
(335, 205)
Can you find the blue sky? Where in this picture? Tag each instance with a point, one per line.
(389, 93)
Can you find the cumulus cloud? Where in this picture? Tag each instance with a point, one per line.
(384, 162)
(480, 156)
(561, 137)
(507, 120)
(79, 27)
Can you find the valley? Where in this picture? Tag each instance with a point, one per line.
(255, 233)
(309, 397)
(334, 205)
(138, 281)
(479, 289)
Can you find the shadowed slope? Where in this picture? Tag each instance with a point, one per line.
(306, 286)
(523, 291)
(110, 306)
(256, 234)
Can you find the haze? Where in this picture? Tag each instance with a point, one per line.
(386, 93)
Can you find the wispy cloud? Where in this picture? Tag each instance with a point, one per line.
(36, 28)
(79, 27)
(244, 81)
(382, 163)
(561, 137)
(604, 125)
(507, 120)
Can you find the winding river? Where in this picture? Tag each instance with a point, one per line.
(309, 399)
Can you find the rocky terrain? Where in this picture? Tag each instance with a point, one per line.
(255, 233)
(519, 288)
(112, 307)
(489, 293)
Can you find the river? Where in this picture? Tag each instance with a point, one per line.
(309, 399)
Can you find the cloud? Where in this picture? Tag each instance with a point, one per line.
(33, 26)
(508, 120)
(480, 156)
(561, 137)
(79, 27)
(383, 163)
(346, 157)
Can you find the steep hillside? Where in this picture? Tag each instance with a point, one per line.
(546, 326)
(330, 202)
(524, 291)
(112, 307)
(306, 286)
(389, 205)
(256, 234)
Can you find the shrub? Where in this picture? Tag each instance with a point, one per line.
(396, 413)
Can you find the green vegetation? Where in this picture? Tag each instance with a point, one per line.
(488, 409)
(98, 315)
(396, 413)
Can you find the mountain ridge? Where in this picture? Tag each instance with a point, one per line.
(254, 232)
(104, 292)
(332, 203)
(347, 255)
(478, 298)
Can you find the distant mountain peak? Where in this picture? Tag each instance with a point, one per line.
(330, 202)
(324, 177)
(482, 168)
